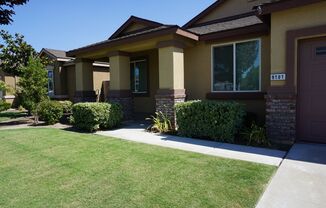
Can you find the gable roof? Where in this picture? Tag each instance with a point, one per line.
(132, 20)
(55, 54)
(231, 24)
(203, 13)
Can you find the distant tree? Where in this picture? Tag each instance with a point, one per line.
(7, 10)
(33, 84)
(15, 53)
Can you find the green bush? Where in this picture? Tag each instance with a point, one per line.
(4, 105)
(94, 116)
(218, 121)
(50, 111)
(255, 135)
(67, 106)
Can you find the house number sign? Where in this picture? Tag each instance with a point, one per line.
(278, 77)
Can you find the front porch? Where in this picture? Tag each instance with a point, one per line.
(145, 76)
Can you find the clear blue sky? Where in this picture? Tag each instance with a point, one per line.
(69, 24)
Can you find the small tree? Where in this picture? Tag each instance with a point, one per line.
(15, 53)
(6, 10)
(33, 84)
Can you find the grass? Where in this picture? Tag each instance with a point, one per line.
(6, 115)
(56, 168)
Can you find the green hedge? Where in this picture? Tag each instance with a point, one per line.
(50, 111)
(219, 121)
(94, 116)
(67, 106)
(4, 105)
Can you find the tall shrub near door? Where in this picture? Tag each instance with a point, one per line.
(218, 121)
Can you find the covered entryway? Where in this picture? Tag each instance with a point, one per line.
(312, 90)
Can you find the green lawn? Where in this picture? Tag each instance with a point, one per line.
(6, 116)
(56, 168)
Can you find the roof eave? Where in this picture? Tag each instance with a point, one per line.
(171, 30)
(258, 30)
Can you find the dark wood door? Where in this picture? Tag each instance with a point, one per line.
(312, 90)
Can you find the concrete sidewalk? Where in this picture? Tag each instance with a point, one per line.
(136, 133)
(300, 180)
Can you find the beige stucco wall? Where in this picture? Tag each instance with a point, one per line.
(84, 75)
(146, 104)
(60, 80)
(100, 74)
(230, 8)
(120, 72)
(292, 19)
(198, 72)
(71, 81)
(171, 68)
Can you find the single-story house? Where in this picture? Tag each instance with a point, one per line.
(64, 81)
(269, 55)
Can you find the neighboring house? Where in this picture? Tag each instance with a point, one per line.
(10, 81)
(64, 81)
(268, 55)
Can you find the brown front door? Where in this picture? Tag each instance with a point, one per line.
(312, 90)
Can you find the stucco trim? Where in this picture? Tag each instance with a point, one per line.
(236, 96)
(118, 53)
(169, 43)
(292, 38)
(269, 8)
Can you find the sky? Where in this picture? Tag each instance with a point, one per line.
(69, 24)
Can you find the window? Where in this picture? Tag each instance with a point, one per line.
(138, 76)
(50, 82)
(236, 67)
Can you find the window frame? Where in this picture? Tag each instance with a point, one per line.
(136, 60)
(50, 93)
(234, 43)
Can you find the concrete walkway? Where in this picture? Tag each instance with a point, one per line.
(136, 133)
(300, 180)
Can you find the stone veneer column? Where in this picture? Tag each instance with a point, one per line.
(281, 118)
(171, 79)
(120, 82)
(84, 81)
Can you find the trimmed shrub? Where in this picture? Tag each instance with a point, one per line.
(67, 106)
(95, 116)
(4, 105)
(219, 121)
(50, 111)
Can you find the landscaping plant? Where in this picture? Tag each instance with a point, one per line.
(219, 121)
(4, 105)
(50, 111)
(161, 123)
(33, 84)
(67, 106)
(255, 135)
(94, 116)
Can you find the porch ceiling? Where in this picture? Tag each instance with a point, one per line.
(136, 42)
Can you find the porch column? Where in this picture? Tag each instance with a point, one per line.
(84, 81)
(171, 79)
(120, 82)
